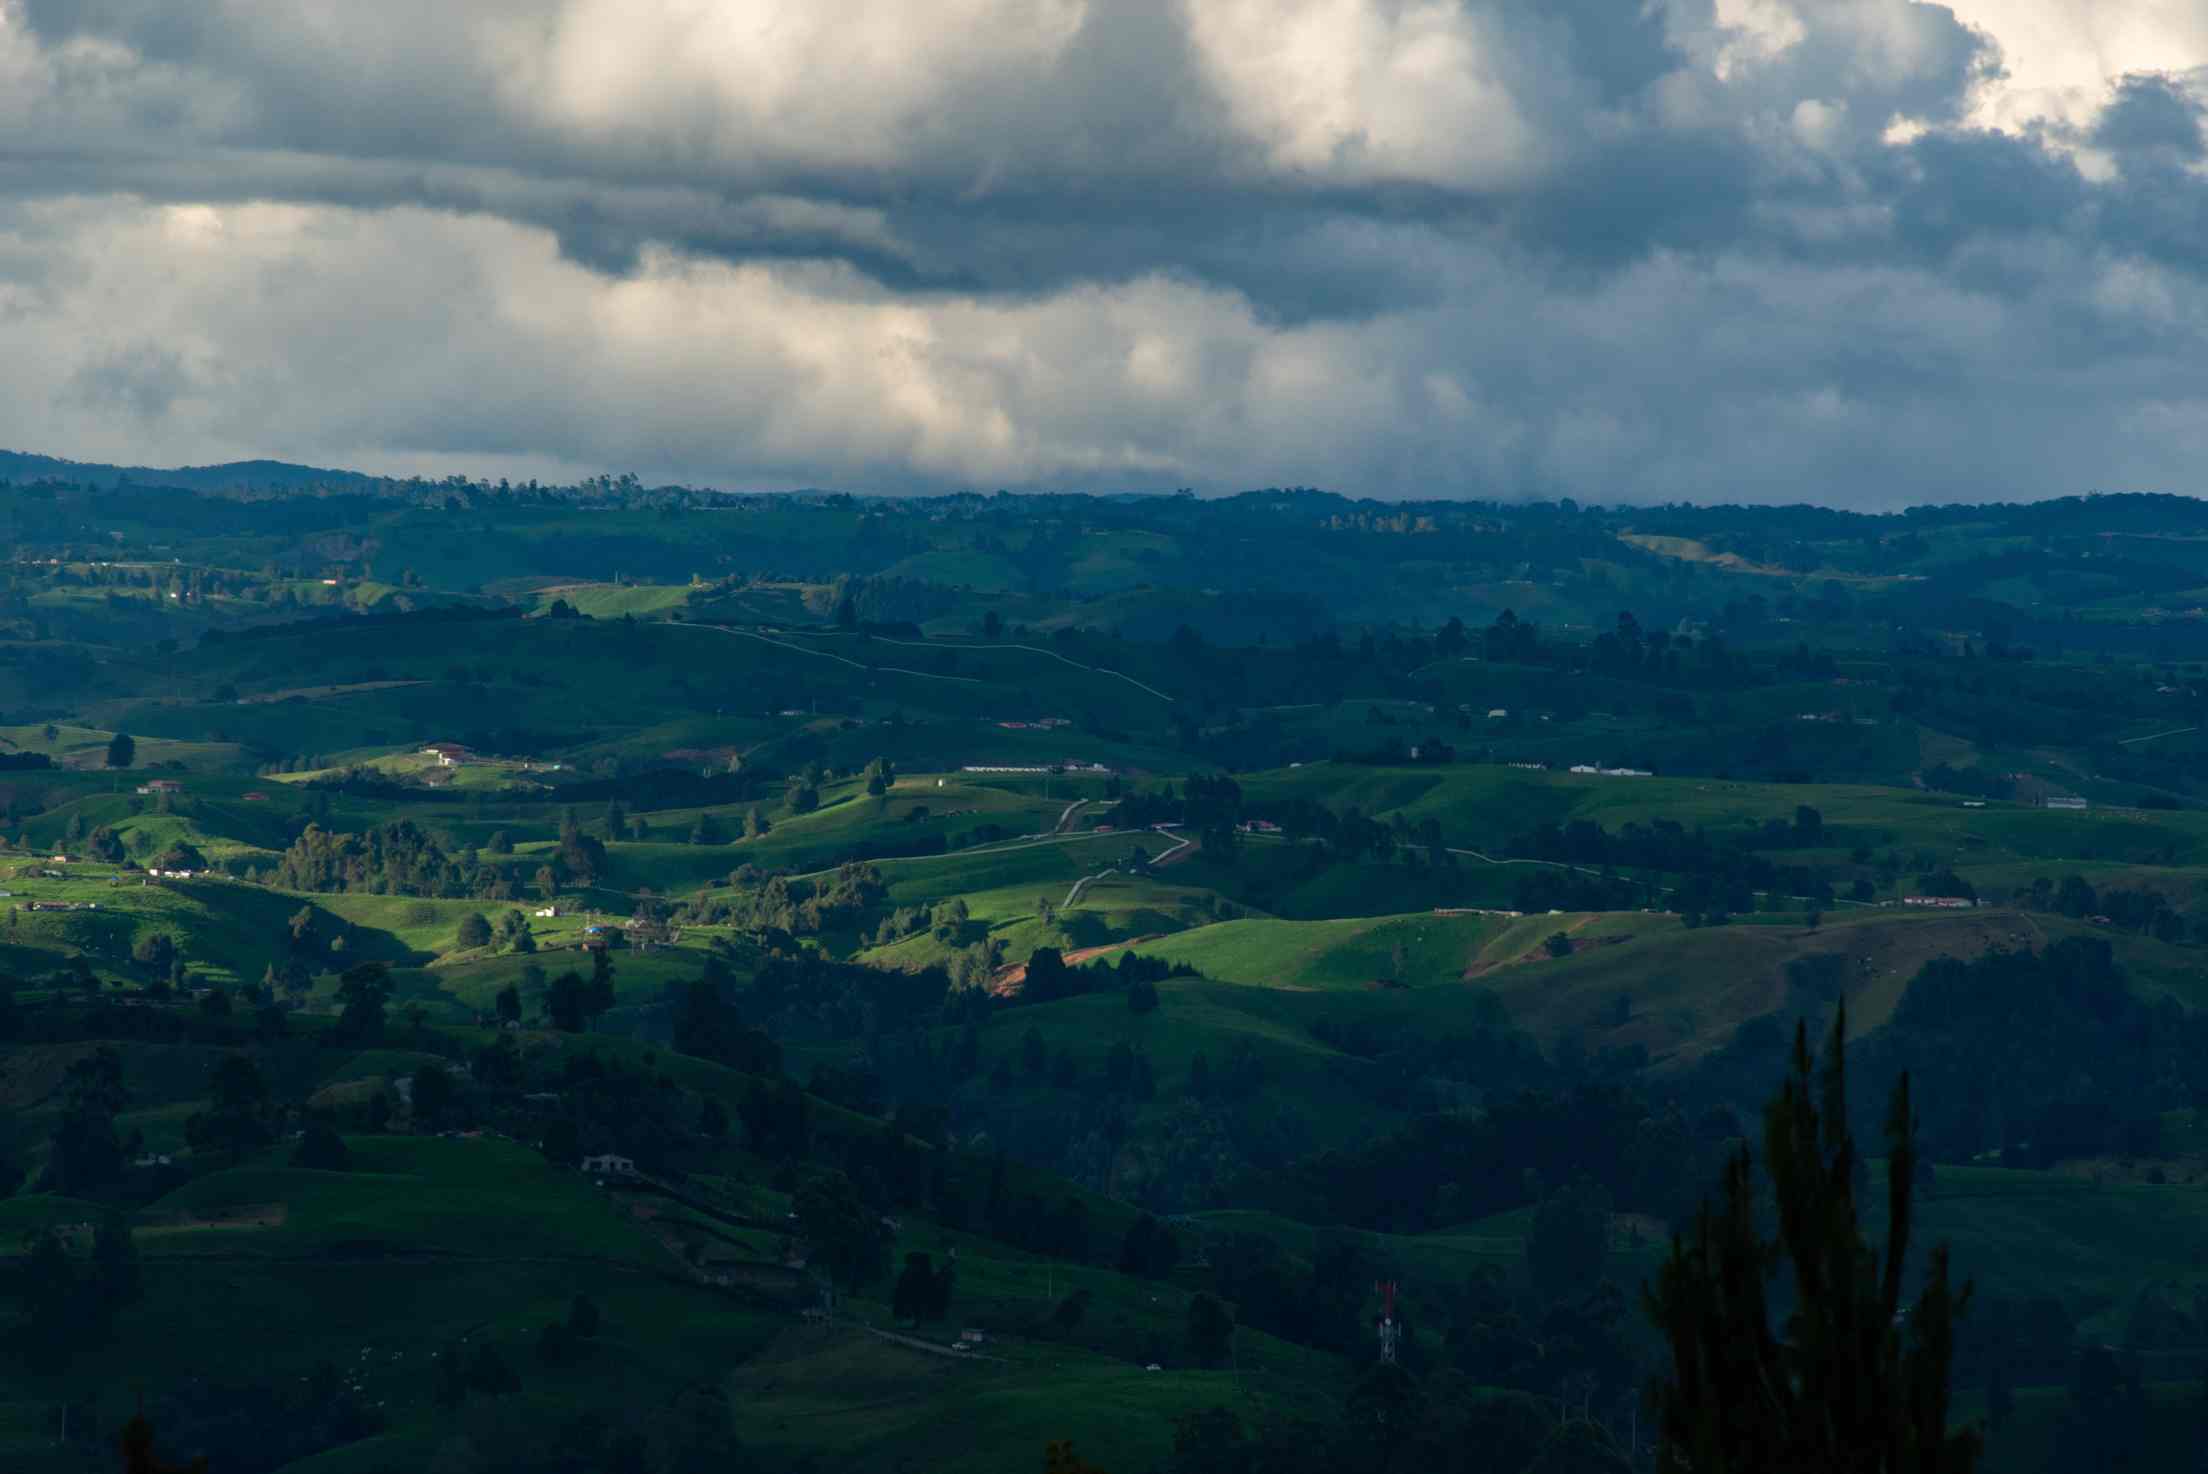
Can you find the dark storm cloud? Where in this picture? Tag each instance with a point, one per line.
(1122, 151)
(2151, 113)
(1119, 155)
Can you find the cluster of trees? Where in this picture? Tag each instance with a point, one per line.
(1451, 1168)
(857, 602)
(709, 1024)
(1210, 804)
(946, 921)
(1422, 1071)
(2145, 911)
(87, 1152)
(1625, 651)
(923, 1291)
(398, 858)
(70, 1301)
(803, 995)
(1050, 979)
(1715, 874)
(2042, 1055)
(512, 933)
(776, 905)
(609, 1106)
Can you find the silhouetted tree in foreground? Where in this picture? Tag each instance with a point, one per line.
(1852, 1383)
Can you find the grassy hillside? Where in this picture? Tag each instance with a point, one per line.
(1357, 953)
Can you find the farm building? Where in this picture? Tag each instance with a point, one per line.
(448, 754)
(609, 1165)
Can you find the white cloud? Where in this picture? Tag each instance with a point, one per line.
(829, 82)
(2063, 56)
(405, 340)
(1736, 248)
(1376, 89)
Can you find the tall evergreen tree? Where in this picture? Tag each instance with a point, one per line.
(1851, 1383)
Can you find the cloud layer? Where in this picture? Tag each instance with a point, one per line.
(1859, 251)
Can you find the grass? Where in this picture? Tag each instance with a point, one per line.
(466, 1199)
(1680, 992)
(1327, 955)
(2093, 1246)
(856, 1401)
(85, 748)
(613, 600)
(474, 985)
(228, 931)
(384, 1326)
(412, 765)
(916, 811)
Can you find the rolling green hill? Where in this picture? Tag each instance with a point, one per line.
(1319, 1056)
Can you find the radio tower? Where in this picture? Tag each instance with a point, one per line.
(1390, 1332)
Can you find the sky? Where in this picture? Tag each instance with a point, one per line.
(1868, 253)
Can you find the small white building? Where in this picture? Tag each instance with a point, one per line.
(2067, 803)
(609, 1165)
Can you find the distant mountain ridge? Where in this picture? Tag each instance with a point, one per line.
(21, 466)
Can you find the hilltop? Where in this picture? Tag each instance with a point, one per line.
(1059, 883)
